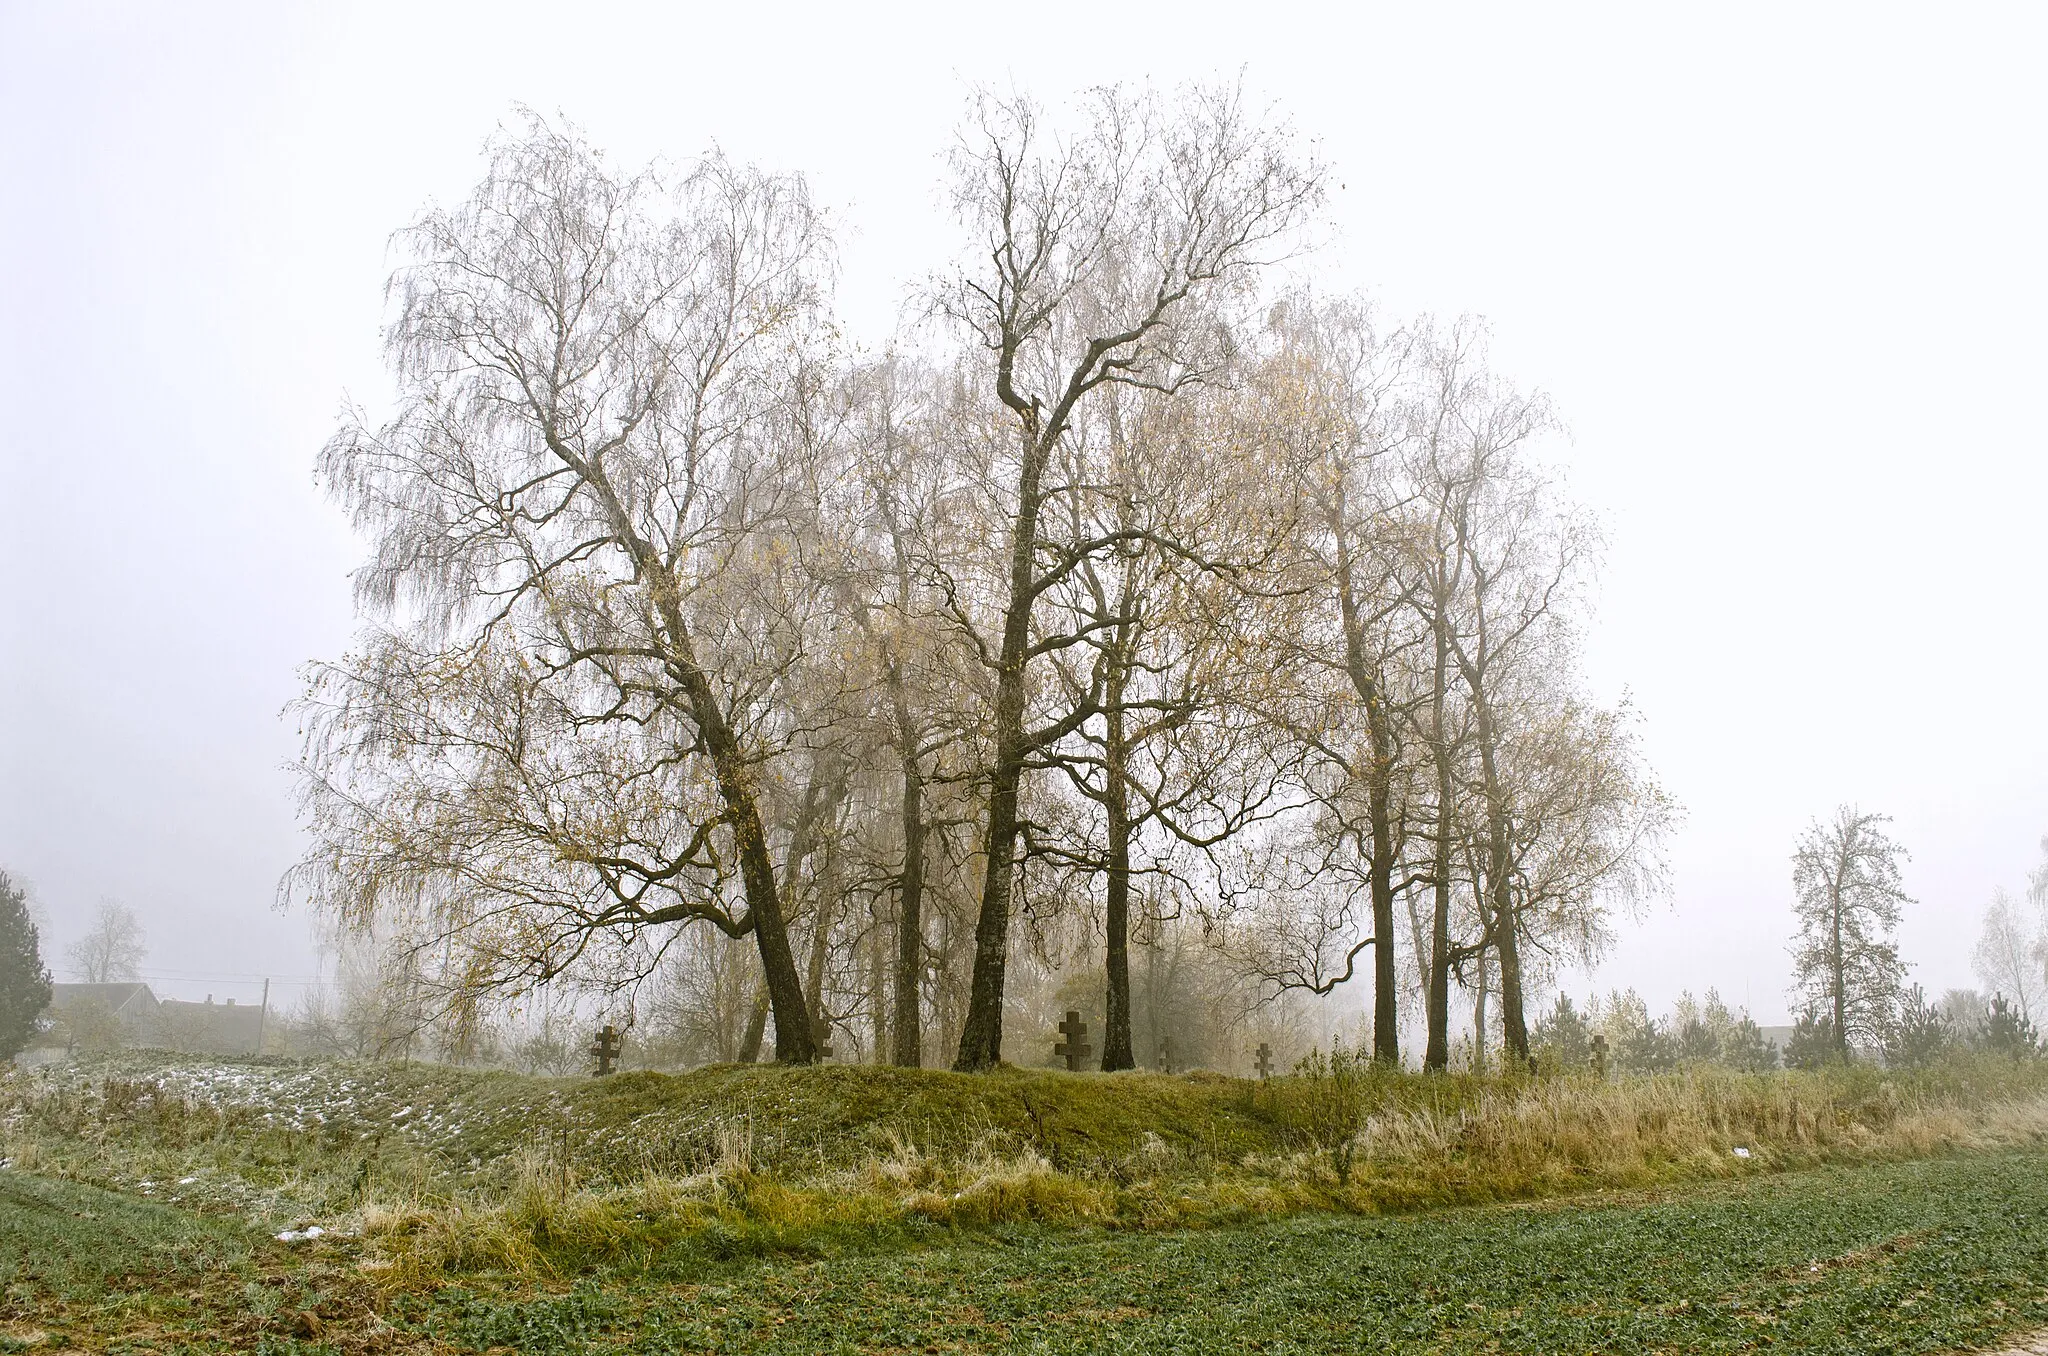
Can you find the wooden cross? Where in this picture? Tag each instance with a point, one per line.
(1600, 1055)
(1166, 1054)
(1074, 1048)
(1265, 1060)
(821, 1037)
(606, 1048)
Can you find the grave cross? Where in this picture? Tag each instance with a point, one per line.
(606, 1049)
(1166, 1054)
(1074, 1047)
(1265, 1060)
(1600, 1056)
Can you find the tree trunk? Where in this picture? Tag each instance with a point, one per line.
(1839, 964)
(981, 1035)
(826, 913)
(1116, 1038)
(909, 1032)
(793, 1044)
(1437, 1052)
(1500, 900)
(1386, 1017)
(757, 1028)
(1479, 1019)
(876, 948)
(1116, 1035)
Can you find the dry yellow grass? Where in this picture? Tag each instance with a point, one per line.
(1512, 1139)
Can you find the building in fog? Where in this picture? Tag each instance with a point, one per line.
(90, 1017)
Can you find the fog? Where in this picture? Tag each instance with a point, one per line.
(1781, 273)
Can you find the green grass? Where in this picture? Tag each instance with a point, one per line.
(449, 1172)
(1923, 1256)
(103, 1270)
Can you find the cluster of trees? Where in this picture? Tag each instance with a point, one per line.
(1851, 981)
(1134, 598)
(1695, 1031)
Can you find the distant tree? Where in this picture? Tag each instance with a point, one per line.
(1812, 1044)
(112, 949)
(1697, 1043)
(2007, 959)
(1921, 1035)
(88, 1024)
(2037, 880)
(1744, 1046)
(1965, 1010)
(1648, 1049)
(1846, 878)
(2007, 1032)
(1564, 1034)
(24, 980)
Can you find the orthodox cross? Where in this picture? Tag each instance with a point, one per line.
(606, 1048)
(1075, 1046)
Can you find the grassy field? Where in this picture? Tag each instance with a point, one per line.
(854, 1209)
(1923, 1256)
(444, 1171)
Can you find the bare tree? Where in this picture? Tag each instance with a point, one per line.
(908, 535)
(1097, 261)
(1332, 403)
(1177, 761)
(584, 514)
(2007, 959)
(112, 949)
(1845, 875)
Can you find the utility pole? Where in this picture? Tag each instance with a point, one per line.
(263, 1017)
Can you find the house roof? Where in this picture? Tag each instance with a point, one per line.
(119, 998)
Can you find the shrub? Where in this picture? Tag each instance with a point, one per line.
(1812, 1043)
(1921, 1034)
(2007, 1032)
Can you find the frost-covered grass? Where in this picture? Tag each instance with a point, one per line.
(440, 1171)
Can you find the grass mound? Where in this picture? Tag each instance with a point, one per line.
(447, 1170)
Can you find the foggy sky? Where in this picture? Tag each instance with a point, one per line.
(1781, 270)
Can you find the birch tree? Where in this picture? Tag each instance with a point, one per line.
(1097, 260)
(584, 515)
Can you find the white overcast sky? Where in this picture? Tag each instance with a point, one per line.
(1781, 267)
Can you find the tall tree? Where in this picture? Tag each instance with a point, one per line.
(1845, 876)
(1097, 260)
(905, 532)
(585, 515)
(111, 950)
(1177, 754)
(24, 980)
(1335, 391)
